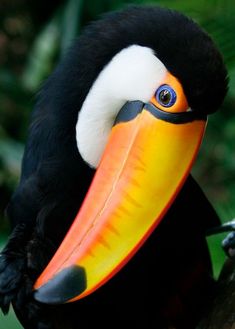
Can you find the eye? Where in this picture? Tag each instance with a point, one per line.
(166, 96)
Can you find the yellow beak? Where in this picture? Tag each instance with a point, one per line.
(145, 163)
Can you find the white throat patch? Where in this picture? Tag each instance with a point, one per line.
(133, 74)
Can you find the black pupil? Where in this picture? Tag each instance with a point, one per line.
(165, 96)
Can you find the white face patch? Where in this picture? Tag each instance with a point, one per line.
(133, 74)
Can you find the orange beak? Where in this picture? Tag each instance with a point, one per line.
(146, 161)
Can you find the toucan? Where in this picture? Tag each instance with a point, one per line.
(108, 225)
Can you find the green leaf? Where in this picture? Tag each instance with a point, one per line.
(10, 321)
(70, 23)
(41, 57)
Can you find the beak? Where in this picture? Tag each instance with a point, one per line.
(146, 161)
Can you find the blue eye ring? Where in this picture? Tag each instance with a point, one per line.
(166, 96)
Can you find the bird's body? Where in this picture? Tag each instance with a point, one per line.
(169, 281)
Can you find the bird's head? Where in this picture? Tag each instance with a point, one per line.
(149, 77)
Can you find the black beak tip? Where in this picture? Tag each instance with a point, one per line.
(67, 284)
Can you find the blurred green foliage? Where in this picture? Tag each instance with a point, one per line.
(34, 35)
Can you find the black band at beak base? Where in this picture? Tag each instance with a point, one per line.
(131, 109)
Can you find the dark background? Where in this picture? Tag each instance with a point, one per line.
(35, 34)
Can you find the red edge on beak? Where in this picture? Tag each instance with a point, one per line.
(145, 164)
